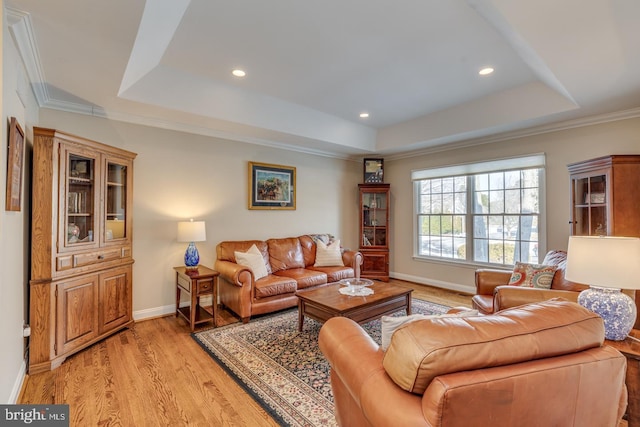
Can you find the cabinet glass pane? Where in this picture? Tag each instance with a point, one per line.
(590, 206)
(374, 218)
(80, 197)
(116, 203)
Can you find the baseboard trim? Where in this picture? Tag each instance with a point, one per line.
(166, 310)
(433, 282)
(17, 385)
(150, 313)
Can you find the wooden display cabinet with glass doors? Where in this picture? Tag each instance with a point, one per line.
(81, 267)
(374, 230)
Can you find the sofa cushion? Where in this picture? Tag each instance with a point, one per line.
(328, 255)
(273, 285)
(425, 349)
(308, 250)
(303, 277)
(285, 254)
(532, 275)
(254, 260)
(335, 274)
(391, 323)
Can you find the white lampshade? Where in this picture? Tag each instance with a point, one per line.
(191, 231)
(604, 261)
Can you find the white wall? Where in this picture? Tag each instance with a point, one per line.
(561, 148)
(178, 176)
(17, 101)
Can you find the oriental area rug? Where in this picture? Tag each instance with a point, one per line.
(281, 368)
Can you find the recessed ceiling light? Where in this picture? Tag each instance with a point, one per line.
(238, 72)
(364, 115)
(485, 71)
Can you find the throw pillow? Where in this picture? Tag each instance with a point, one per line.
(532, 275)
(324, 238)
(390, 323)
(328, 255)
(252, 259)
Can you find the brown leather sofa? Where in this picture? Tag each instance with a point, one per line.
(541, 364)
(494, 294)
(290, 266)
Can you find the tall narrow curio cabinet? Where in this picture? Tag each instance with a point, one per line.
(604, 198)
(81, 239)
(374, 230)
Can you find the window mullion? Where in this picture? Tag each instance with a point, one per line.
(469, 217)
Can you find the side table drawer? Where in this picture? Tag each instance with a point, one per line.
(204, 287)
(184, 283)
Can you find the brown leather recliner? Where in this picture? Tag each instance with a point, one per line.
(494, 294)
(541, 364)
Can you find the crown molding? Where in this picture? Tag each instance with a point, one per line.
(181, 127)
(22, 33)
(523, 133)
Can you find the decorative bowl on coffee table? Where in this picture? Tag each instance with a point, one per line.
(356, 287)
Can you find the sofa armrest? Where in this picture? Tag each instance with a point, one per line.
(233, 273)
(514, 296)
(354, 260)
(365, 389)
(487, 279)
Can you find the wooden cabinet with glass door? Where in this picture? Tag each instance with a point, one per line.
(81, 258)
(374, 230)
(604, 198)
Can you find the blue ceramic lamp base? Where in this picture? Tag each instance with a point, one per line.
(191, 257)
(617, 310)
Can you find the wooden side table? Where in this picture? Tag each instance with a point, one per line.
(631, 349)
(197, 283)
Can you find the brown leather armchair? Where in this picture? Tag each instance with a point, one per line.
(541, 364)
(494, 294)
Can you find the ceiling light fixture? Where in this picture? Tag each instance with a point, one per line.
(238, 72)
(364, 115)
(485, 71)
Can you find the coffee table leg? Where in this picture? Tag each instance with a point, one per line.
(409, 304)
(300, 315)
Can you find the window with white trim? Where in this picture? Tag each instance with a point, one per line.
(488, 212)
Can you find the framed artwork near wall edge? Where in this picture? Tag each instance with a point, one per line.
(272, 187)
(15, 161)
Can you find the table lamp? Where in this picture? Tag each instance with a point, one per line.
(191, 231)
(607, 264)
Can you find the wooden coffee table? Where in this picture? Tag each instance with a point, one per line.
(326, 302)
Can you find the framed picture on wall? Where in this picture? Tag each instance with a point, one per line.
(373, 171)
(15, 160)
(272, 187)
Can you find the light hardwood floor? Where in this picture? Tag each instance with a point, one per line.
(155, 374)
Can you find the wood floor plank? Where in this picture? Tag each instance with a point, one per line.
(155, 374)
